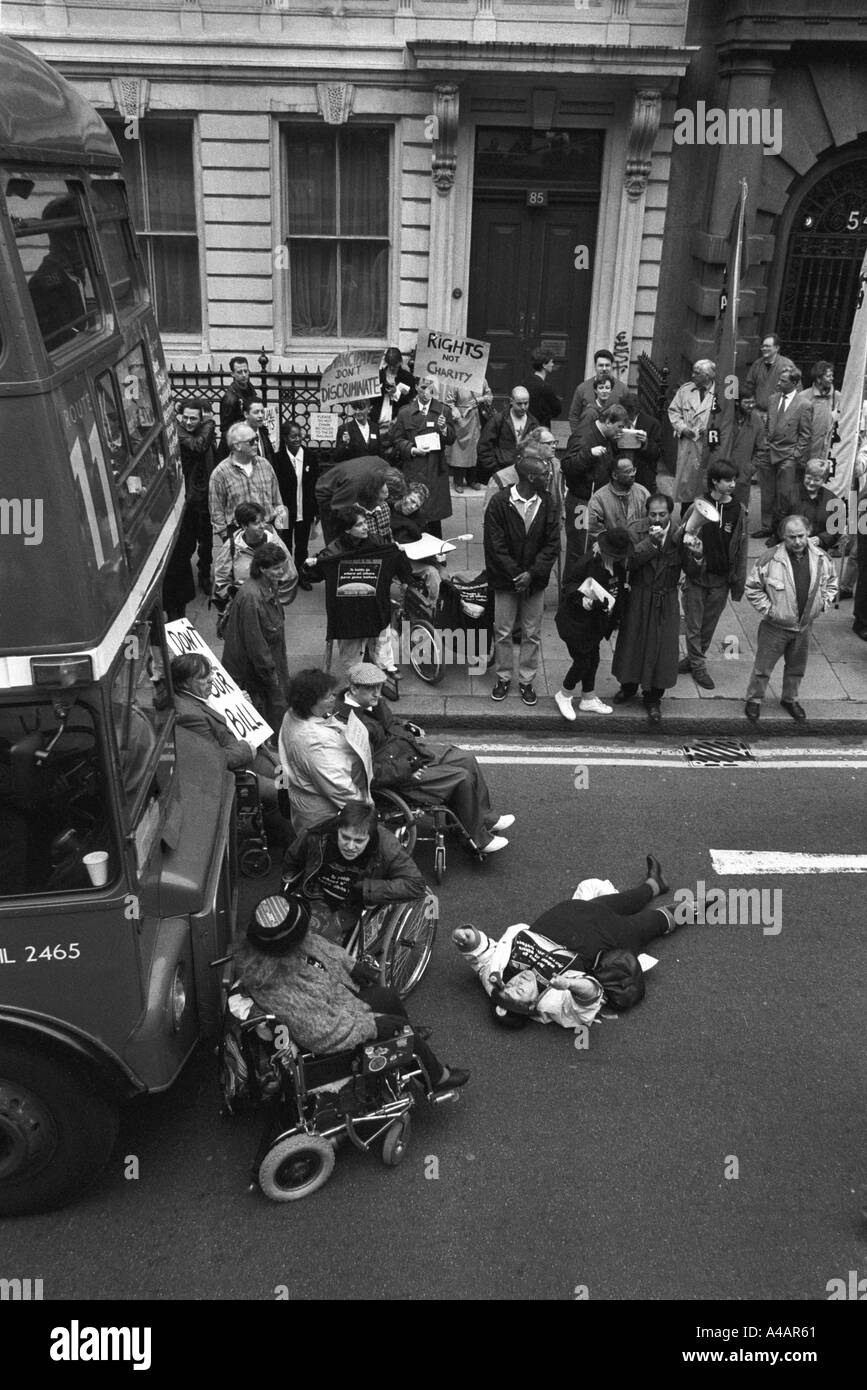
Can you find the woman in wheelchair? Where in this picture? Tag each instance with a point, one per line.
(346, 864)
(318, 991)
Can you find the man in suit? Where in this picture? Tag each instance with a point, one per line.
(587, 464)
(603, 366)
(357, 437)
(296, 477)
(778, 478)
(763, 377)
(425, 419)
(504, 431)
(545, 404)
(237, 395)
(646, 456)
(254, 416)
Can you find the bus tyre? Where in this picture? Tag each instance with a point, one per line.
(56, 1134)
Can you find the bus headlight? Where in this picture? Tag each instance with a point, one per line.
(179, 998)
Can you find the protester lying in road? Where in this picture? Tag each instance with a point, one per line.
(545, 970)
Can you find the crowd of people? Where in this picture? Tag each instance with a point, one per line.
(644, 558)
(641, 555)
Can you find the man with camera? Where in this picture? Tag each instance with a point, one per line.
(721, 570)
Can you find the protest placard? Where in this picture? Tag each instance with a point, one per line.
(242, 718)
(453, 361)
(323, 426)
(351, 376)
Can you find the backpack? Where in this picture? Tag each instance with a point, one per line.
(621, 977)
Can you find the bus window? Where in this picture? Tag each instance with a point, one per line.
(140, 711)
(115, 238)
(54, 803)
(55, 254)
(127, 413)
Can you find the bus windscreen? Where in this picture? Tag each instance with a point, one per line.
(52, 241)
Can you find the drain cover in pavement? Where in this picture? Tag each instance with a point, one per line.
(717, 752)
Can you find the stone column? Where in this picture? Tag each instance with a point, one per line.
(443, 311)
(646, 112)
(745, 84)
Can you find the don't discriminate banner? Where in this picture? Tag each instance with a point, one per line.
(228, 700)
(351, 376)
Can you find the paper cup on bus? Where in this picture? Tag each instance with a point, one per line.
(97, 867)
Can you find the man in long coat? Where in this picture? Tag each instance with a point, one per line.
(422, 419)
(647, 646)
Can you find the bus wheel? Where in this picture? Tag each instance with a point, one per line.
(55, 1133)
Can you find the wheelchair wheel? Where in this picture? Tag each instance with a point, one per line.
(408, 945)
(425, 652)
(440, 863)
(395, 1143)
(255, 862)
(295, 1167)
(397, 817)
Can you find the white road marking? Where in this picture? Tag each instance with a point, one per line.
(654, 750)
(766, 765)
(728, 862)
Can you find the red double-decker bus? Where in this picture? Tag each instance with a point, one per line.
(116, 830)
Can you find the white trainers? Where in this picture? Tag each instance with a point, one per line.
(498, 842)
(565, 706)
(502, 824)
(593, 705)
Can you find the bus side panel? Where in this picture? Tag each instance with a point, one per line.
(74, 963)
(63, 573)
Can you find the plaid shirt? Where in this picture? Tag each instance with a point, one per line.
(230, 485)
(378, 524)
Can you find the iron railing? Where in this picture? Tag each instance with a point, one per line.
(653, 387)
(291, 395)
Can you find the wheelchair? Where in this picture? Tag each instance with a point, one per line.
(413, 820)
(254, 857)
(313, 1103)
(398, 938)
(462, 616)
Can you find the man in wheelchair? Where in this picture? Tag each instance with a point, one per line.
(314, 987)
(346, 864)
(406, 763)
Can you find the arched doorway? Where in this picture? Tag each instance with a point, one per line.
(819, 286)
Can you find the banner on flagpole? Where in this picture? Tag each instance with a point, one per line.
(844, 436)
(727, 330)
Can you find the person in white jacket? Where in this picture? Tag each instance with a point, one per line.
(789, 587)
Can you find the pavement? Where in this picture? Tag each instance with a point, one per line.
(833, 692)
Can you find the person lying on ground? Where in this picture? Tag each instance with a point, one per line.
(544, 970)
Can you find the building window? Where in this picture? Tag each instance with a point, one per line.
(158, 169)
(338, 200)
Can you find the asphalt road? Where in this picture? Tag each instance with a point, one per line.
(604, 1168)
